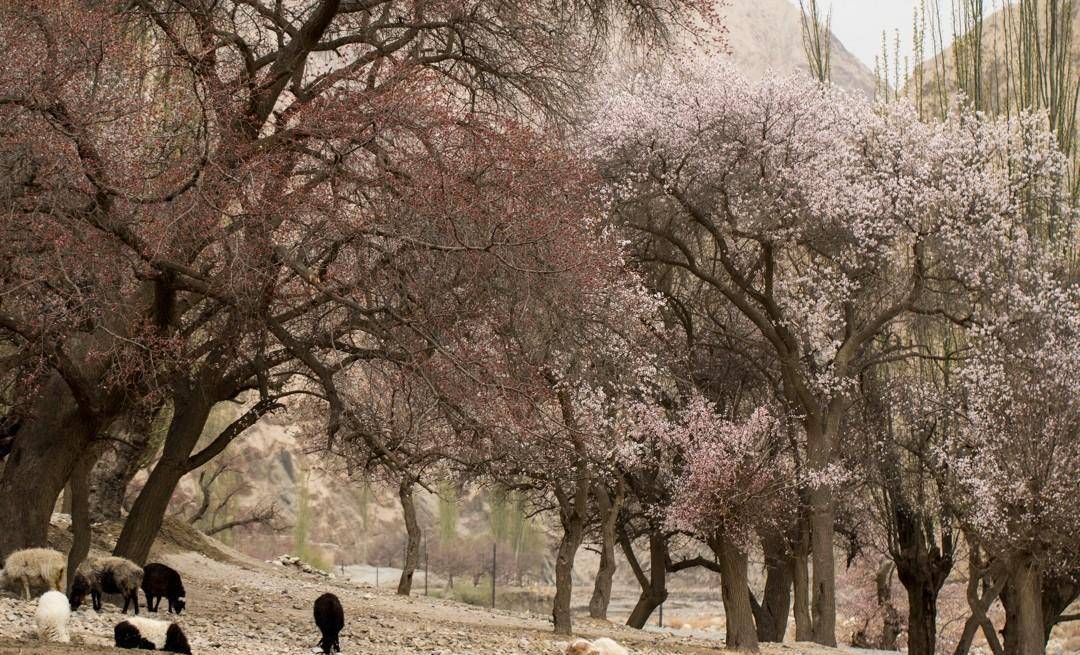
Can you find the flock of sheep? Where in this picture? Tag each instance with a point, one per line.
(44, 568)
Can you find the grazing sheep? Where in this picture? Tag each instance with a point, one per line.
(150, 634)
(601, 646)
(331, 619)
(161, 581)
(52, 617)
(107, 575)
(40, 567)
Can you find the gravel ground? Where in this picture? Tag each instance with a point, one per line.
(252, 608)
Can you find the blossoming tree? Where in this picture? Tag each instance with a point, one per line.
(1013, 464)
(821, 221)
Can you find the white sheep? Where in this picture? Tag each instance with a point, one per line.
(601, 646)
(40, 567)
(52, 617)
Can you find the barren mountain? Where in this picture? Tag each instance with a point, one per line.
(1000, 44)
(766, 35)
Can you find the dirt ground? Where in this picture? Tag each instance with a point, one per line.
(255, 608)
(245, 607)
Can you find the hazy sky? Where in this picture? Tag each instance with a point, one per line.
(859, 24)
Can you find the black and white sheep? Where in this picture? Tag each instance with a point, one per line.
(35, 567)
(150, 634)
(107, 575)
(331, 619)
(160, 581)
(52, 617)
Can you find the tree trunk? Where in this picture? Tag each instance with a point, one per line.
(111, 477)
(824, 596)
(412, 530)
(772, 618)
(978, 572)
(45, 452)
(734, 584)
(1027, 631)
(922, 567)
(79, 492)
(654, 587)
(800, 578)
(142, 525)
(892, 625)
(922, 616)
(573, 524)
(609, 509)
(822, 517)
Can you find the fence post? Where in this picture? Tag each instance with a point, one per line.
(494, 546)
(425, 564)
(376, 577)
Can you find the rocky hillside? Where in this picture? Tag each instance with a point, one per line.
(766, 35)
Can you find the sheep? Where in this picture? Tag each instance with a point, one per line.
(40, 567)
(331, 619)
(161, 581)
(52, 617)
(150, 634)
(601, 646)
(108, 575)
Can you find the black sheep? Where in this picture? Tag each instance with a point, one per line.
(160, 581)
(106, 575)
(331, 619)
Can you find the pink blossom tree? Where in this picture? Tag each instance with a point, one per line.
(736, 481)
(821, 221)
(200, 197)
(1013, 464)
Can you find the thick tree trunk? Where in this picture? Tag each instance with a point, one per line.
(412, 542)
(79, 491)
(734, 583)
(1026, 594)
(609, 507)
(654, 586)
(922, 567)
(922, 616)
(111, 477)
(148, 511)
(824, 594)
(573, 524)
(800, 579)
(822, 519)
(44, 454)
(772, 619)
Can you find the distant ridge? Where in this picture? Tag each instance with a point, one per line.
(765, 35)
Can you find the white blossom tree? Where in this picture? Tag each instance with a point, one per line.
(822, 220)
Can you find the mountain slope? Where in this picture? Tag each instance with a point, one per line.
(766, 35)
